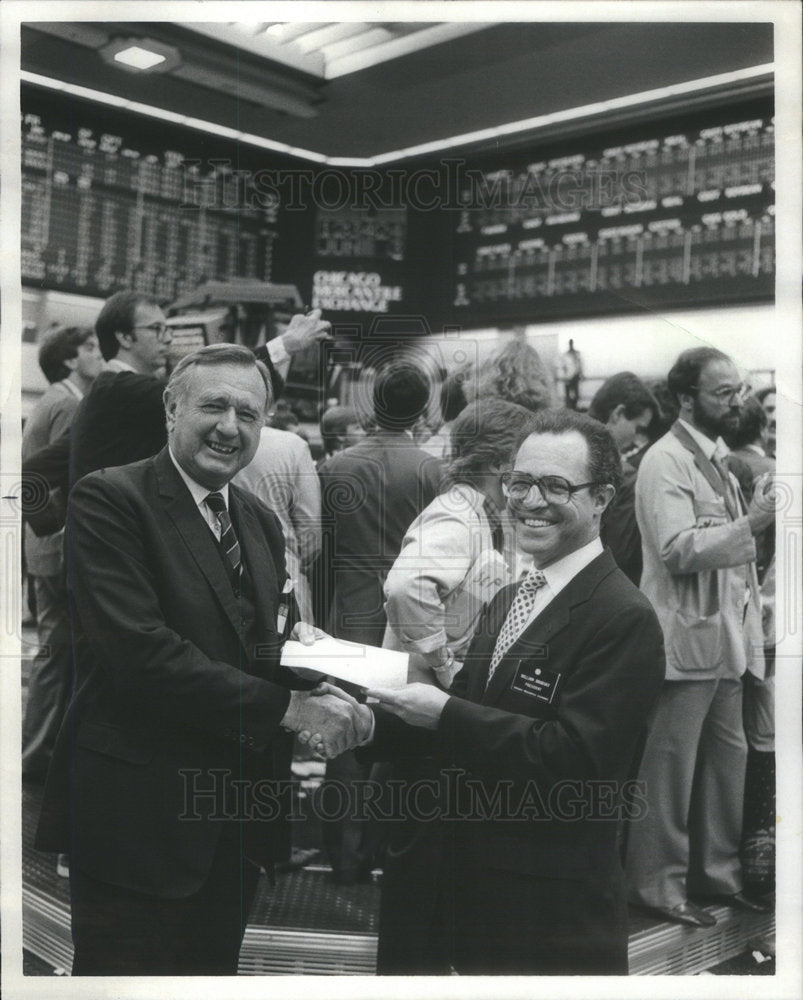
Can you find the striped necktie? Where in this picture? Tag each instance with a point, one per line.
(517, 617)
(228, 539)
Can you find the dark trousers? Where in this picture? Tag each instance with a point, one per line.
(512, 923)
(117, 932)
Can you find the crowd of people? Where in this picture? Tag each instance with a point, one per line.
(586, 600)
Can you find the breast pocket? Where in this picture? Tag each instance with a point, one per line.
(708, 513)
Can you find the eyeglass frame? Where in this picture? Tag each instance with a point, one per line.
(741, 391)
(570, 487)
(159, 330)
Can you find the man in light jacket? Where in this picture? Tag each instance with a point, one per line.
(698, 542)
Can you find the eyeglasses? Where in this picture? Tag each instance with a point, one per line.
(727, 392)
(162, 331)
(553, 489)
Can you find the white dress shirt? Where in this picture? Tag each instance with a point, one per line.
(560, 573)
(199, 495)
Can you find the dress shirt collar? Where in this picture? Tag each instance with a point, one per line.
(560, 573)
(707, 446)
(116, 365)
(199, 493)
(70, 386)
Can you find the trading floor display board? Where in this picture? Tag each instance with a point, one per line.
(111, 200)
(671, 212)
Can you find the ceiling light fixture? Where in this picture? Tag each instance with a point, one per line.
(138, 58)
(140, 55)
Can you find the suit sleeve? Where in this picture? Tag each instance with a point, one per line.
(666, 516)
(263, 354)
(603, 706)
(145, 660)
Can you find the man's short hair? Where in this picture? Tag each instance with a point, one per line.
(59, 346)
(117, 316)
(752, 421)
(622, 388)
(483, 434)
(684, 375)
(604, 460)
(335, 422)
(400, 396)
(762, 394)
(216, 354)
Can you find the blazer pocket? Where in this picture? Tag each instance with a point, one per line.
(695, 642)
(707, 513)
(134, 748)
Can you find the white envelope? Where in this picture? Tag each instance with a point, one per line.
(368, 666)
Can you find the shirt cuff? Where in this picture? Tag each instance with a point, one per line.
(370, 737)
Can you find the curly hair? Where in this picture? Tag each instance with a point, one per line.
(485, 433)
(516, 373)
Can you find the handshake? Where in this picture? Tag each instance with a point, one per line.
(328, 719)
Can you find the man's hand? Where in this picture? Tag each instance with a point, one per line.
(327, 718)
(304, 331)
(417, 704)
(761, 512)
(307, 634)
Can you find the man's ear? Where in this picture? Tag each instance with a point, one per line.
(617, 414)
(71, 363)
(124, 339)
(603, 495)
(170, 409)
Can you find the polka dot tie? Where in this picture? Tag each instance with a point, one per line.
(517, 617)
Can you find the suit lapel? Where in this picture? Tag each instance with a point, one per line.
(258, 558)
(532, 644)
(199, 540)
(703, 463)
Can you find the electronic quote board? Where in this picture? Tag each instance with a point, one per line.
(111, 200)
(669, 213)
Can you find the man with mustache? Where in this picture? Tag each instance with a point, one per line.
(698, 542)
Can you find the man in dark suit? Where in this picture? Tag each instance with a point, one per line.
(627, 408)
(180, 610)
(542, 723)
(370, 494)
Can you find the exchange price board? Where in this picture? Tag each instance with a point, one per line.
(676, 214)
(102, 212)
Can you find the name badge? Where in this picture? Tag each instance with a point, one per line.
(536, 682)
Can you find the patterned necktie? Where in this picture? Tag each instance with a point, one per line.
(228, 539)
(517, 617)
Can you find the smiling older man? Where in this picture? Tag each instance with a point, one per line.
(180, 609)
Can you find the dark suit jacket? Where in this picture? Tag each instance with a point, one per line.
(370, 494)
(619, 531)
(598, 646)
(175, 678)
